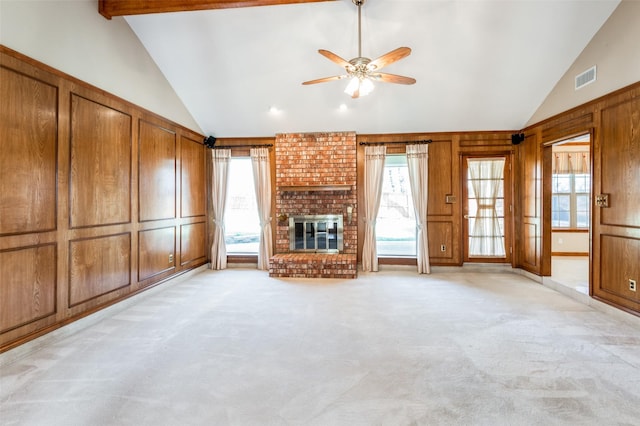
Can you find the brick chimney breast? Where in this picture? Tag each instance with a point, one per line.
(316, 174)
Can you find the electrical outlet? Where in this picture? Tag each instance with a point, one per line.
(171, 258)
(443, 248)
(632, 285)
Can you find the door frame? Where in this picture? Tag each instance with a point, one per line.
(547, 229)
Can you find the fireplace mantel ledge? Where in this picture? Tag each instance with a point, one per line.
(294, 188)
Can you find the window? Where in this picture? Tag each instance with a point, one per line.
(570, 188)
(570, 200)
(396, 222)
(241, 219)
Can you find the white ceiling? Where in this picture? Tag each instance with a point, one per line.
(479, 65)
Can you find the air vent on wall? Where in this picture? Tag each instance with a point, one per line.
(587, 77)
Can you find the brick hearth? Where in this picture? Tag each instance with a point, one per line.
(313, 265)
(315, 174)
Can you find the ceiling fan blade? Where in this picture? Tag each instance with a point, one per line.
(335, 58)
(325, 79)
(392, 78)
(389, 58)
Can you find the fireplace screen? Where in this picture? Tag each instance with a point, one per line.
(317, 233)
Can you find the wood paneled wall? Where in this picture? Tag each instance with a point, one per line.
(614, 124)
(445, 164)
(99, 199)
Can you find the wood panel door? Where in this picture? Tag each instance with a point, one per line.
(486, 201)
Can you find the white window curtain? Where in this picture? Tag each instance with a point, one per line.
(262, 184)
(219, 172)
(418, 165)
(373, 174)
(486, 236)
(571, 162)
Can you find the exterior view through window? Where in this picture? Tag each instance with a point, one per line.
(241, 220)
(570, 186)
(396, 222)
(570, 201)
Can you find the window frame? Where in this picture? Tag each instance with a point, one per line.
(391, 258)
(240, 256)
(573, 201)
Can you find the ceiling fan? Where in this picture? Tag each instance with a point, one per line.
(363, 71)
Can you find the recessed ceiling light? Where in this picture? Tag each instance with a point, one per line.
(274, 110)
(342, 107)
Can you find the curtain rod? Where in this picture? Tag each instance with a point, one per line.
(390, 143)
(267, 145)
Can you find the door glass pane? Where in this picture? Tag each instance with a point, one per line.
(310, 236)
(485, 207)
(333, 235)
(299, 236)
(321, 235)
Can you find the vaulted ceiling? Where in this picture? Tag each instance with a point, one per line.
(479, 65)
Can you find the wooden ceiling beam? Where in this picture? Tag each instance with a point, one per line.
(111, 8)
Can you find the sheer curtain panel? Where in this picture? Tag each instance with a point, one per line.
(219, 172)
(418, 165)
(373, 174)
(262, 184)
(486, 236)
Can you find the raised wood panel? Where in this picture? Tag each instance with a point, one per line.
(440, 233)
(440, 178)
(100, 185)
(620, 262)
(27, 285)
(531, 184)
(157, 167)
(192, 174)
(28, 140)
(620, 160)
(98, 266)
(157, 252)
(530, 241)
(192, 242)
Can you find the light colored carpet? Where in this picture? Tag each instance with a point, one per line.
(236, 347)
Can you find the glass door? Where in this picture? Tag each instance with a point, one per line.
(487, 206)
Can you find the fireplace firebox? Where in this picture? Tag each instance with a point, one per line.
(316, 233)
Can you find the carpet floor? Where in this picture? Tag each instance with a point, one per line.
(236, 347)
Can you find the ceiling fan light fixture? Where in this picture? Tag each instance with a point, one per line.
(359, 86)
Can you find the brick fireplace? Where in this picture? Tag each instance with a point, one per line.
(315, 175)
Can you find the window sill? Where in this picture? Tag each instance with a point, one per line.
(404, 260)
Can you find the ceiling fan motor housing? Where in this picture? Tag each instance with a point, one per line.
(360, 67)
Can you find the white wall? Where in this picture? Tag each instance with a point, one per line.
(73, 37)
(615, 50)
(570, 242)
